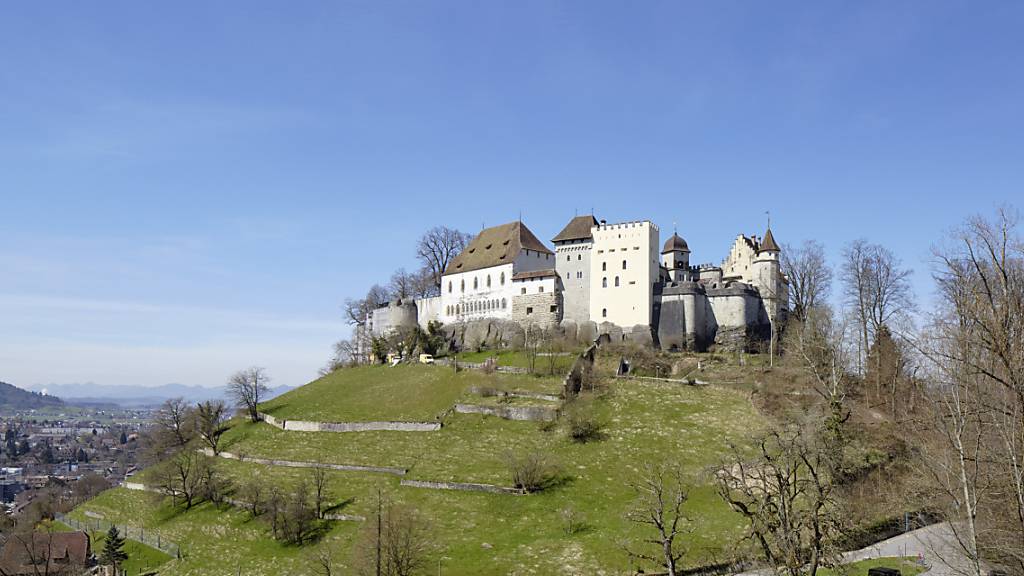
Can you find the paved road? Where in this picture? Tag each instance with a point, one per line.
(935, 544)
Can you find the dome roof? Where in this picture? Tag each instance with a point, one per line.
(675, 244)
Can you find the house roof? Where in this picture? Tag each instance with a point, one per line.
(56, 548)
(548, 273)
(496, 246)
(768, 243)
(577, 229)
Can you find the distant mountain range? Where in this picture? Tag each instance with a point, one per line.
(138, 396)
(16, 398)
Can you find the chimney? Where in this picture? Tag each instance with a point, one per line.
(603, 222)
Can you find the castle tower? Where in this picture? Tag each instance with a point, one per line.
(573, 247)
(768, 278)
(675, 256)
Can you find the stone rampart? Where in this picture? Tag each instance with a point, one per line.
(300, 464)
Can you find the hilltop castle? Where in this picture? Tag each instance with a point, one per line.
(606, 278)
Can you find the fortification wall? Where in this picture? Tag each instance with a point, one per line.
(535, 413)
(428, 310)
(307, 426)
(542, 309)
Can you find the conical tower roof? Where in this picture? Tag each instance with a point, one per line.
(768, 243)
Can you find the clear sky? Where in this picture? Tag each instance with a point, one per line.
(189, 188)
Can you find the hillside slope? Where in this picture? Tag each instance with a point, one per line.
(14, 398)
(475, 533)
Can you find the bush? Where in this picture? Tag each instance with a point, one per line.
(532, 472)
(581, 424)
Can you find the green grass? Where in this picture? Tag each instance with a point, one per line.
(479, 533)
(907, 566)
(519, 359)
(372, 393)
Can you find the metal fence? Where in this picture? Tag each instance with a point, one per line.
(150, 538)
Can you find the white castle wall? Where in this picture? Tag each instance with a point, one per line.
(572, 262)
(629, 252)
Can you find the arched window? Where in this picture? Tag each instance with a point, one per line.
(604, 282)
(503, 304)
(462, 285)
(448, 310)
(449, 286)
(488, 280)
(568, 257)
(457, 309)
(579, 256)
(604, 266)
(475, 283)
(566, 275)
(616, 281)
(623, 264)
(502, 278)
(604, 312)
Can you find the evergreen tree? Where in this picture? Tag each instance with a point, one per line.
(113, 549)
(124, 438)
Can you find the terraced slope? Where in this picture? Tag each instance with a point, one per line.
(478, 533)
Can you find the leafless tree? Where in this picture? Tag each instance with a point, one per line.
(344, 353)
(661, 494)
(397, 543)
(320, 481)
(182, 477)
(176, 419)
(402, 284)
(438, 247)
(786, 495)
(810, 277)
(211, 422)
(37, 550)
(252, 492)
(975, 350)
(357, 309)
(423, 284)
(876, 287)
(322, 561)
(248, 388)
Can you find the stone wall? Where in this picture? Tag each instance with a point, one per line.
(535, 413)
(307, 426)
(464, 486)
(299, 464)
(544, 309)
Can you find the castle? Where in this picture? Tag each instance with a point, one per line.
(606, 278)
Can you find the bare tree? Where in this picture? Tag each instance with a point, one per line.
(397, 543)
(786, 496)
(810, 277)
(423, 284)
(402, 284)
(976, 353)
(661, 494)
(343, 353)
(320, 481)
(876, 287)
(247, 388)
(211, 422)
(177, 421)
(182, 477)
(438, 247)
(322, 561)
(357, 309)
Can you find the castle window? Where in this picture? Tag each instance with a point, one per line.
(568, 257)
(604, 282)
(541, 289)
(502, 278)
(616, 281)
(604, 266)
(566, 275)
(623, 264)
(504, 304)
(462, 285)
(579, 256)
(604, 312)
(488, 280)
(554, 308)
(529, 310)
(457, 309)
(475, 283)
(449, 286)
(523, 290)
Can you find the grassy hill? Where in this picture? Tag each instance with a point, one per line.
(14, 398)
(477, 533)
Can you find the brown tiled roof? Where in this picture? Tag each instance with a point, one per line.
(535, 274)
(577, 229)
(768, 242)
(58, 548)
(675, 243)
(495, 246)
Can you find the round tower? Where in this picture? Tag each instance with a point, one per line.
(675, 256)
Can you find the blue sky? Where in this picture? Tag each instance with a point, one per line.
(190, 188)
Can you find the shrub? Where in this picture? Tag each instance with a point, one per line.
(531, 472)
(581, 423)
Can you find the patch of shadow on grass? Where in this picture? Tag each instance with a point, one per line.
(339, 506)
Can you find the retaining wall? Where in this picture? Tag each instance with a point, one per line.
(300, 464)
(537, 413)
(307, 426)
(463, 486)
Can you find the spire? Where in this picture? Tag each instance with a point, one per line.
(768, 243)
